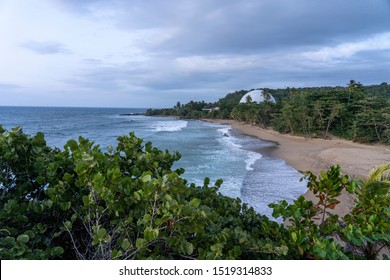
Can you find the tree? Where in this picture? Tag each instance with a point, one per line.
(367, 229)
(248, 99)
(177, 106)
(327, 112)
(311, 226)
(265, 110)
(353, 88)
(267, 95)
(313, 230)
(372, 120)
(127, 203)
(28, 219)
(296, 114)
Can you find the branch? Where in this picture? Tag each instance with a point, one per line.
(74, 244)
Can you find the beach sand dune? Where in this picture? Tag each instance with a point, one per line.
(315, 155)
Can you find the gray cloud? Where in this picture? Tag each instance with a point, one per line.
(209, 48)
(219, 26)
(6, 87)
(279, 25)
(45, 48)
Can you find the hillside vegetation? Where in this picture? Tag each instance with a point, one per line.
(355, 112)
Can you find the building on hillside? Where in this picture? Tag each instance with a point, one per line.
(257, 96)
(211, 109)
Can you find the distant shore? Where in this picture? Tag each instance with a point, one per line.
(309, 154)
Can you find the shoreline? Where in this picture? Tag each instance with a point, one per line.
(315, 155)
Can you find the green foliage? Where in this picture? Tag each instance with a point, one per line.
(196, 110)
(355, 112)
(82, 203)
(128, 203)
(368, 229)
(372, 121)
(253, 113)
(312, 228)
(192, 110)
(26, 225)
(382, 90)
(237, 231)
(228, 103)
(346, 112)
(315, 233)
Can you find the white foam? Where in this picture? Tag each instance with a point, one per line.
(232, 187)
(224, 130)
(252, 158)
(228, 138)
(232, 141)
(169, 125)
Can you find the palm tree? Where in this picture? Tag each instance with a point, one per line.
(379, 174)
(354, 87)
(266, 95)
(351, 87)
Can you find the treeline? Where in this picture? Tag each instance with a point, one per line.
(356, 112)
(197, 110)
(128, 203)
(193, 109)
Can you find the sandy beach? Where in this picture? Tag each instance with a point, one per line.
(304, 154)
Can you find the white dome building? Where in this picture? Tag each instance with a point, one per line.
(257, 96)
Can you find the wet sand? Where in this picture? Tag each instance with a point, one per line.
(315, 155)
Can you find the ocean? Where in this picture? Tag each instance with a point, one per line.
(207, 149)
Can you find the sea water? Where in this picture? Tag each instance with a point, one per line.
(208, 149)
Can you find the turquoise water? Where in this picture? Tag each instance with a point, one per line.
(207, 149)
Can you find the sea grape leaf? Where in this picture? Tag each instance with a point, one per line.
(23, 238)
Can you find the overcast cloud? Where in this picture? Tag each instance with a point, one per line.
(122, 53)
(45, 47)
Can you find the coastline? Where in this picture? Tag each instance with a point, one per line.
(315, 155)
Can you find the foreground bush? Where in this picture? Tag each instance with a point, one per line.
(128, 203)
(364, 233)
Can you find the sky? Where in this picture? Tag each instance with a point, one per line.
(153, 53)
